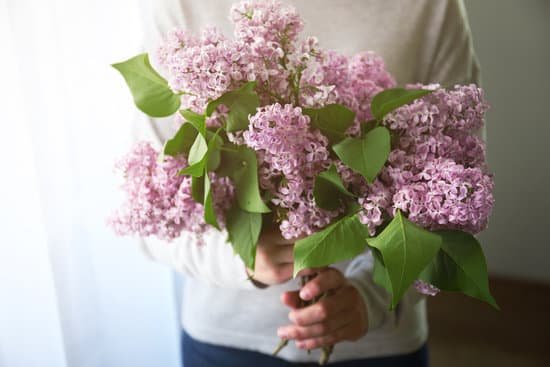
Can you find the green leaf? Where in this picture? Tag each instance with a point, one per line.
(390, 99)
(240, 164)
(151, 92)
(460, 266)
(406, 250)
(197, 158)
(329, 190)
(241, 103)
(181, 142)
(368, 126)
(197, 120)
(203, 155)
(243, 230)
(214, 154)
(380, 273)
(342, 240)
(366, 155)
(333, 120)
(209, 212)
(197, 189)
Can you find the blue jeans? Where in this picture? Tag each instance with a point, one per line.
(199, 354)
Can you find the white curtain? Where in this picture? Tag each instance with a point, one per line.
(71, 293)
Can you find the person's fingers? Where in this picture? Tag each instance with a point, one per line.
(309, 271)
(326, 280)
(322, 309)
(317, 330)
(291, 299)
(347, 332)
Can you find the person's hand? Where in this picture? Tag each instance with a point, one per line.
(274, 259)
(340, 315)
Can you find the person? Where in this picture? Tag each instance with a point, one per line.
(230, 319)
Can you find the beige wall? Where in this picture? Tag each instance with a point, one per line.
(512, 40)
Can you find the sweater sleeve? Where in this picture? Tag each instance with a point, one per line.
(453, 61)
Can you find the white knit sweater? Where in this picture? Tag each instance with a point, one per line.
(420, 41)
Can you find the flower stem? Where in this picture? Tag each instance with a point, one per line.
(325, 355)
(282, 343)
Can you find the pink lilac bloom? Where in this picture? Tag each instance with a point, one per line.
(426, 288)
(356, 81)
(203, 68)
(375, 206)
(270, 29)
(270, 20)
(442, 125)
(290, 155)
(158, 200)
(447, 195)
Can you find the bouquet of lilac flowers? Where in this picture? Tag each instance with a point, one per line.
(273, 129)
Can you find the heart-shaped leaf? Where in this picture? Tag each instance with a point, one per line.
(243, 229)
(240, 164)
(366, 155)
(333, 120)
(329, 190)
(214, 154)
(182, 141)
(460, 266)
(241, 103)
(341, 240)
(380, 273)
(151, 92)
(406, 250)
(197, 158)
(197, 120)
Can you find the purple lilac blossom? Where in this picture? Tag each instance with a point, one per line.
(158, 200)
(425, 288)
(290, 154)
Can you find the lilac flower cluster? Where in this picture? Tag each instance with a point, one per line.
(158, 200)
(267, 49)
(447, 195)
(436, 175)
(365, 76)
(291, 154)
(203, 68)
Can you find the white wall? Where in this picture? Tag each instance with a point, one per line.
(512, 40)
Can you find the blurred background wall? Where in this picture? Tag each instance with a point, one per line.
(512, 41)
